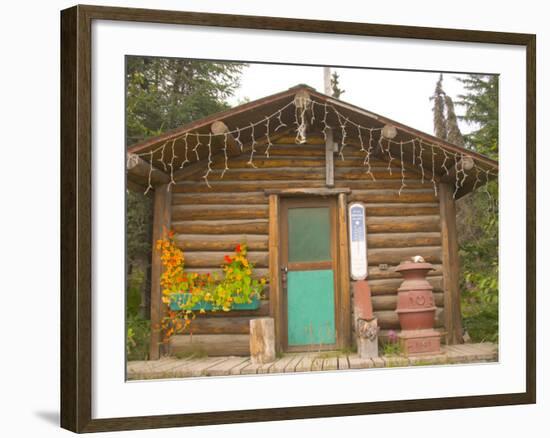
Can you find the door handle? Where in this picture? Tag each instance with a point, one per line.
(284, 269)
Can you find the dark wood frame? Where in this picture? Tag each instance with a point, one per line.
(76, 173)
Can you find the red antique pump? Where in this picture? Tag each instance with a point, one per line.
(416, 308)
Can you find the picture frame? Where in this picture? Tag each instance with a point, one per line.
(77, 167)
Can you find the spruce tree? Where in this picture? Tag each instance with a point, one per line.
(335, 85)
(440, 124)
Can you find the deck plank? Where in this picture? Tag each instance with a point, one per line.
(224, 368)
(357, 363)
(343, 363)
(171, 367)
(330, 364)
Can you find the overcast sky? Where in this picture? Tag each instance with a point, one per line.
(399, 95)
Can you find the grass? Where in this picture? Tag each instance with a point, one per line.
(197, 353)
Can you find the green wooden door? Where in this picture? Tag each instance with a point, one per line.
(309, 275)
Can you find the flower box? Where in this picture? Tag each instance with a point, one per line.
(176, 301)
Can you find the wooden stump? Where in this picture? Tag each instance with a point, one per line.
(367, 338)
(262, 340)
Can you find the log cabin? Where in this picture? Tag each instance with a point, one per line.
(279, 174)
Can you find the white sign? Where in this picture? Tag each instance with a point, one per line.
(358, 242)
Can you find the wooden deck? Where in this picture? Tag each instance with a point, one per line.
(171, 367)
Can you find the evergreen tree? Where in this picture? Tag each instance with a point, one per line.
(335, 85)
(440, 123)
(453, 131)
(164, 93)
(481, 110)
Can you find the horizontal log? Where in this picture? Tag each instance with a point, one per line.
(389, 302)
(290, 141)
(210, 212)
(375, 273)
(215, 259)
(212, 345)
(272, 162)
(227, 186)
(401, 209)
(250, 226)
(403, 240)
(219, 198)
(257, 273)
(227, 242)
(393, 256)
(258, 174)
(143, 170)
(354, 173)
(390, 285)
(388, 319)
(396, 224)
(387, 195)
(301, 160)
(300, 173)
(230, 325)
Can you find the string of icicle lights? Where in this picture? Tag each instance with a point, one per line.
(460, 163)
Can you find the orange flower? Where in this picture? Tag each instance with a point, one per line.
(227, 259)
(238, 248)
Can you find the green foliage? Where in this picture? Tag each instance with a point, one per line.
(335, 86)
(139, 210)
(391, 348)
(138, 332)
(164, 93)
(477, 216)
(481, 105)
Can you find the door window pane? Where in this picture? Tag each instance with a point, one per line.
(309, 234)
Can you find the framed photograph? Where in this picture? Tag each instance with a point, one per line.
(268, 218)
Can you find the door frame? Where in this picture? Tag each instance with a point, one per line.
(307, 202)
(342, 291)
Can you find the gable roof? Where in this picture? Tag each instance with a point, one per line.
(281, 104)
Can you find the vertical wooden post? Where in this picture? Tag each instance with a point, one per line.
(329, 158)
(449, 247)
(274, 272)
(161, 220)
(344, 302)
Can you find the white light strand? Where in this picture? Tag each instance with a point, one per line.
(403, 185)
(253, 146)
(226, 167)
(456, 176)
(301, 136)
(361, 139)
(281, 123)
(238, 139)
(186, 159)
(344, 135)
(161, 159)
(301, 125)
(174, 156)
(444, 166)
(433, 171)
(421, 158)
(269, 144)
(196, 148)
(209, 165)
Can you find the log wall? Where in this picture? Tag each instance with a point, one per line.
(211, 221)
